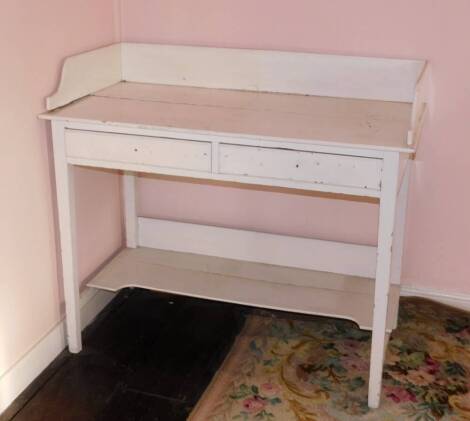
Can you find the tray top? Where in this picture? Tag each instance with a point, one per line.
(353, 123)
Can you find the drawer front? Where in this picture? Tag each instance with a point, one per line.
(314, 167)
(144, 150)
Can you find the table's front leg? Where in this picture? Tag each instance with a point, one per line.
(66, 214)
(382, 277)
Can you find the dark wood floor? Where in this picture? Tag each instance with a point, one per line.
(147, 357)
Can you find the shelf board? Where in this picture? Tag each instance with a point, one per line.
(247, 283)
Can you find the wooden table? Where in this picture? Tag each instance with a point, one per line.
(335, 124)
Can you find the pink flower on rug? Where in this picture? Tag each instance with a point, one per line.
(399, 395)
(270, 389)
(432, 366)
(254, 404)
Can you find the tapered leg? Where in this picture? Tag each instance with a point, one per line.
(130, 213)
(66, 213)
(382, 277)
(399, 231)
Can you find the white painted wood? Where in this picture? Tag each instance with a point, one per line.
(259, 181)
(178, 133)
(130, 212)
(273, 71)
(419, 109)
(321, 168)
(158, 152)
(30, 365)
(303, 253)
(349, 123)
(400, 226)
(215, 139)
(90, 129)
(243, 283)
(419, 99)
(353, 118)
(67, 229)
(457, 300)
(414, 135)
(215, 158)
(86, 73)
(382, 277)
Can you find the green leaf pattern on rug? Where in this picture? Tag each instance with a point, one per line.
(256, 402)
(316, 369)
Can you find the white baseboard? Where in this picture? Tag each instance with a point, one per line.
(283, 250)
(24, 371)
(458, 300)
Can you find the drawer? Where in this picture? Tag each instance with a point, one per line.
(143, 150)
(287, 164)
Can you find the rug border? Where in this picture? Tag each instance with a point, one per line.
(202, 409)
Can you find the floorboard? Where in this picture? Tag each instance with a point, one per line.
(147, 357)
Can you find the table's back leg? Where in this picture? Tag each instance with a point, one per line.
(130, 213)
(66, 215)
(382, 277)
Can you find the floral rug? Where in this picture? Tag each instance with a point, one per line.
(314, 369)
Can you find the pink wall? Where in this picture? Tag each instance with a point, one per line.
(438, 243)
(34, 38)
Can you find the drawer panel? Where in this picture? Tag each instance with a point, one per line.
(314, 167)
(144, 150)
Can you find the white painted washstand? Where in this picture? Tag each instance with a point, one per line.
(335, 124)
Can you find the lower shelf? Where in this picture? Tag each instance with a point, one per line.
(253, 284)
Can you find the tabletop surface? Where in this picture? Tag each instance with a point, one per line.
(352, 123)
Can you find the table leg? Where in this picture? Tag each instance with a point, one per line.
(130, 213)
(66, 214)
(382, 277)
